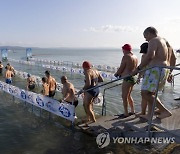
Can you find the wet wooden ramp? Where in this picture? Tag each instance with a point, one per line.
(170, 125)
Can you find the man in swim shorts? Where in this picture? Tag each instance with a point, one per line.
(68, 92)
(51, 83)
(156, 56)
(8, 75)
(128, 65)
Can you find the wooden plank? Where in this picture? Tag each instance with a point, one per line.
(170, 123)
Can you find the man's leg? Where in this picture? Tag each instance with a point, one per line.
(130, 99)
(125, 93)
(149, 96)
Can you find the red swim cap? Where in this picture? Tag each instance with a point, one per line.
(127, 47)
(86, 65)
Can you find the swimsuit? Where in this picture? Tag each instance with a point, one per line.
(130, 79)
(9, 81)
(52, 93)
(94, 92)
(151, 77)
(75, 103)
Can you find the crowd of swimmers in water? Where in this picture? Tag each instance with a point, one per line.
(155, 52)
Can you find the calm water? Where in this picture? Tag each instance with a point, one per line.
(22, 131)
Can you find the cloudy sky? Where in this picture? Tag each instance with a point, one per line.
(86, 23)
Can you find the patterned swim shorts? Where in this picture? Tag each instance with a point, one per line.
(151, 78)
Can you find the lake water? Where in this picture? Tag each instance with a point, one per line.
(22, 131)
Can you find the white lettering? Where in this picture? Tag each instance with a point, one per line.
(121, 140)
(115, 139)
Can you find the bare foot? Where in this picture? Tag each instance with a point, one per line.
(164, 114)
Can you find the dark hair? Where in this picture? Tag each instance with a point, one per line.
(44, 79)
(47, 72)
(64, 78)
(151, 30)
(144, 48)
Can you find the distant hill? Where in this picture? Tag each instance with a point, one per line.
(15, 47)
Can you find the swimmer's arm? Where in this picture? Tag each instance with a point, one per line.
(55, 84)
(100, 78)
(6, 75)
(88, 81)
(172, 60)
(122, 66)
(66, 95)
(27, 83)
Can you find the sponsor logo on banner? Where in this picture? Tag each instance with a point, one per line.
(23, 95)
(1, 86)
(30, 98)
(58, 87)
(16, 91)
(5, 86)
(39, 101)
(64, 111)
(49, 105)
(11, 90)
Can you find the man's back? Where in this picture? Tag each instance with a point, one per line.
(131, 63)
(68, 92)
(159, 52)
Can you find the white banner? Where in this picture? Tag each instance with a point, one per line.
(63, 110)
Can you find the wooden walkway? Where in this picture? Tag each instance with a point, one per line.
(127, 126)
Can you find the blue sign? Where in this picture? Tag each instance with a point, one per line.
(64, 111)
(28, 52)
(39, 101)
(23, 95)
(49, 105)
(4, 54)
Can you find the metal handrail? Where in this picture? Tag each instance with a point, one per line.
(104, 102)
(167, 67)
(156, 94)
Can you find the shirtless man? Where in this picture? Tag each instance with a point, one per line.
(11, 68)
(8, 75)
(128, 65)
(1, 67)
(51, 83)
(45, 86)
(68, 92)
(30, 82)
(171, 61)
(156, 55)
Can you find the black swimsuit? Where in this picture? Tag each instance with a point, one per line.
(94, 92)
